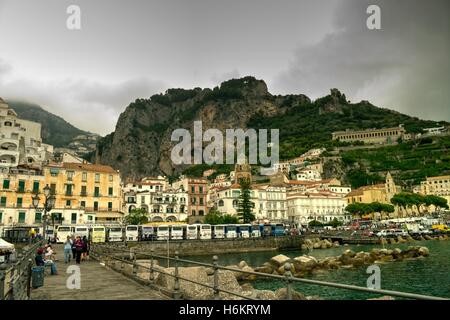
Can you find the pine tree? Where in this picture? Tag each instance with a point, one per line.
(245, 206)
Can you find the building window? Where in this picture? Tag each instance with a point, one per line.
(193, 189)
(6, 184)
(68, 203)
(200, 189)
(220, 203)
(73, 218)
(22, 216)
(109, 206)
(35, 186)
(97, 177)
(83, 204)
(83, 191)
(1, 217)
(84, 176)
(21, 186)
(37, 217)
(201, 200)
(69, 175)
(201, 213)
(193, 200)
(68, 190)
(19, 202)
(96, 192)
(3, 202)
(90, 218)
(110, 178)
(110, 191)
(53, 188)
(95, 206)
(193, 212)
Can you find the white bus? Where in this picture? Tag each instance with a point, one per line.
(177, 231)
(204, 231)
(230, 231)
(115, 234)
(244, 230)
(98, 234)
(132, 233)
(192, 232)
(81, 231)
(162, 232)
(219, 231)
(148, 233)
(62, 232)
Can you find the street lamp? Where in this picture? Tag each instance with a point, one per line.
(48, 205)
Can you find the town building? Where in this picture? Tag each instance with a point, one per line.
(197, 191)
(308, 175)
(271, 203)
(20, 140)
(438, 186)
(370, 136)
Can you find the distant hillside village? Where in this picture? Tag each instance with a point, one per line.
(88, 193)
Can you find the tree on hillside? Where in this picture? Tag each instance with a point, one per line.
(245, 206)
(436, 201)
(136, 217)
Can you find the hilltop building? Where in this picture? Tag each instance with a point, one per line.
(371, 136)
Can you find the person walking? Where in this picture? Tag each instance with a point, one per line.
(79, 249)
(74, 248)
(67, 249)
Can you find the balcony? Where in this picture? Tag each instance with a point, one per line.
(83, 194)
(69, 193)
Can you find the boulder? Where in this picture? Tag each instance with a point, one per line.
(304, 263)
(242, 264)
(427, 237)
(401, 240)
(265, 295)
(317, 245)
(265, 268)
(421, 238)
(336, 244)
(238, 273)
(383, 240)
(247, 287)
(281, 294)
(392, 241)
(424, 251)
(247, 276)
(192, 291)
(347, 257)
(279, 260)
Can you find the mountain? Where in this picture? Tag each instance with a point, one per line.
(55, 130)
(141, 146)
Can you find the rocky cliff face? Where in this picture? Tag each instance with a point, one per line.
(141, 145)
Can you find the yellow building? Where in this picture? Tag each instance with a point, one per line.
(94, 189)
(438, 186)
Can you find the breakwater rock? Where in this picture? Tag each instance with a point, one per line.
(306, 264)
(317, 243)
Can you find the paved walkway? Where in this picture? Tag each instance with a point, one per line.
(97, 283)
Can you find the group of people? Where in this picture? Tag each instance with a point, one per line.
(78, 247)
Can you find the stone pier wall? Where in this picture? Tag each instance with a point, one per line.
(216, 246)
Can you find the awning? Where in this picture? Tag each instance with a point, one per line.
(4, 245)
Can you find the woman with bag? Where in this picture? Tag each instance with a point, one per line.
(79, 249)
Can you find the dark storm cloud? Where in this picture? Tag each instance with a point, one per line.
(403, 66)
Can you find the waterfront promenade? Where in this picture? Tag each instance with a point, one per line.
(97, 283)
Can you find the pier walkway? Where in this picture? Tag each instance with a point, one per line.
(97, 283)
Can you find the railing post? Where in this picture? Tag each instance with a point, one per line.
(135, 267)
(151, 275)
(216, 278)
(176, 286)
(3, 268)
(30, 265)
(288, 275)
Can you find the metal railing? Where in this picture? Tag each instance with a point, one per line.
(15, 275)
(110, 254)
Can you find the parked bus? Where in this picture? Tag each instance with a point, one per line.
(114, 234)
(148, 233)
(218, 231)
(163, 232)
(191, 231)
(230, 231)
(256, 232)
(98, 234)
(244, 230)
(62, 232)
(265, 230)
(81, 231)
(204, 231)
(278, 229)
(132, 233)
(177, 232)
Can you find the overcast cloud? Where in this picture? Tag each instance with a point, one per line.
(133, 49)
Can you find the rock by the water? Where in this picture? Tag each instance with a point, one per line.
(279, 260)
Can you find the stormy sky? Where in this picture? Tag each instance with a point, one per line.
(133, 49)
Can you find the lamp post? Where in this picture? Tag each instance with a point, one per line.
(49, 203)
